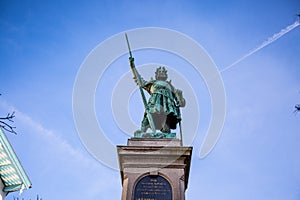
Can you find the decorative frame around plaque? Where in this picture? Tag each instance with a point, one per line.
(152, 187)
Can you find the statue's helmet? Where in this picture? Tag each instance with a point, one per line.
(161, 74)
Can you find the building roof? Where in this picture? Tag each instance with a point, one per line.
(12, 173)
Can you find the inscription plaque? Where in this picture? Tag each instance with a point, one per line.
(153, 188)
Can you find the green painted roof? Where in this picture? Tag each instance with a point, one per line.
(12, 173)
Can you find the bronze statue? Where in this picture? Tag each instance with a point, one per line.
(163, 103)
(162, 111)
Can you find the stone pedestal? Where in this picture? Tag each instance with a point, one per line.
(154, 169)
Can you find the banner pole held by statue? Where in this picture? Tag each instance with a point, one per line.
(139, 82)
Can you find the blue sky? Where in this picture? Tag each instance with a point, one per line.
(43, 44)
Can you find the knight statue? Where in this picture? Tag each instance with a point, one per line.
(163, 105)
(162, 110)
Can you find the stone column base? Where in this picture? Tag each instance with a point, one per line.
(154, 169)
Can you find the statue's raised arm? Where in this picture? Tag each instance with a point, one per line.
(140, 83)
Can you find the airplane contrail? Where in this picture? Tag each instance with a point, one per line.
(267, 42)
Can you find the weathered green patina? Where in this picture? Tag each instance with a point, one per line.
(162, 109)
(164, 106)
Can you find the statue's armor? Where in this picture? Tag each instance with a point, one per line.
(162, 105)
(160, 85)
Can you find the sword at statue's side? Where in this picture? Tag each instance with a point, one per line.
(139, 81)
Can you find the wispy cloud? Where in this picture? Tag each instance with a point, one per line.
(64, 159)
(48, 135)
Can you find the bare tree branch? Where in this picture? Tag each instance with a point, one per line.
(297, 109)
(17, 198)
(4, 123)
